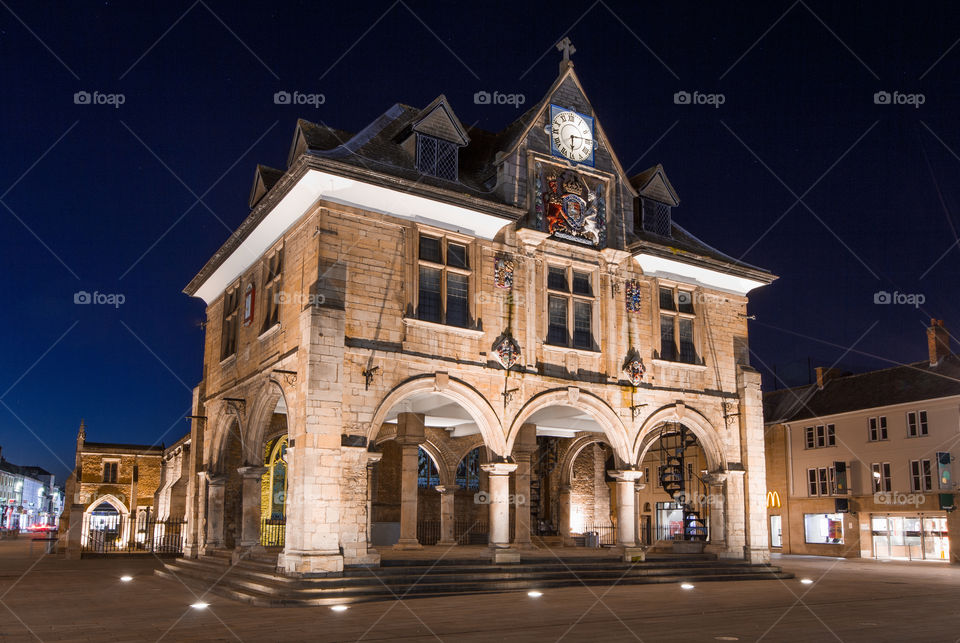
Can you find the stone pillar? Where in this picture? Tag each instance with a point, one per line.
(499, 473)
(735, 516)
(75, 532)
(447, 515)
(626, 512)
(717, 529)
(373, 459)
(215, 488)
(756, 524)
(523, 447)
(250, 520)
(563, 504)
(201, 514)
(410, 435)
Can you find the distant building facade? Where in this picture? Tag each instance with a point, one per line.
(111, 484)
(29, 497)
(863, 465)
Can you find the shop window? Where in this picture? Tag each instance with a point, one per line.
(825, 529)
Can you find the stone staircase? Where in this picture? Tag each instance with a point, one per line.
(254, 580)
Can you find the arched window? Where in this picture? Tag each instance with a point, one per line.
(427, 475)
(468, 471)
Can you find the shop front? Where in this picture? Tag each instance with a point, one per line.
(910, 536)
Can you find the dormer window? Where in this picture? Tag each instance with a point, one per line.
(436, 157)
(655, 217)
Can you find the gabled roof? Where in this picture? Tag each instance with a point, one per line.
(653, 183)
(264, 178)
(438, 120)
(874, 389)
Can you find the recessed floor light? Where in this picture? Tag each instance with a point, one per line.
(686, 586)
(806, 581)
(339, 608)
(726, 638)
(126, 579)
(534, 594)
(200, 605)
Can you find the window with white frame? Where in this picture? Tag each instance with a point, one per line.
(231, 322)
(916, 423)
(820, 481)
(443, 281)
(877, 428)
(822, 435)
(570, 298)
(272, 274)
(811, 438)
(921, 475)
(677, 318)
(881, 476)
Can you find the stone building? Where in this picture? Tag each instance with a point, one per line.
(860, 465)
(111, 488)
(170, 501)
(427, 331)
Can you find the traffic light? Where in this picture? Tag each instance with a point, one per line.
(943, 470)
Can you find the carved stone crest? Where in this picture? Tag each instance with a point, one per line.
(633, 367)
(506, 351)
(503, 272)
(632, 294)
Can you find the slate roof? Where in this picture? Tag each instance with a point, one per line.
(117, 446)
(885, 387)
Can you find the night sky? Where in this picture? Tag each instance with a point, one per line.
(799, 170)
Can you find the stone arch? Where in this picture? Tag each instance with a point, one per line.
(576, 447)
(453, 389)
(226, 422)
(443, 467)
(268, 395)
(111, 500)
(116, 503)
(706, 434)
(613, 427)
(469, 444)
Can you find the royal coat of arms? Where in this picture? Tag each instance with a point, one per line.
(506, 351)
(633, 367)
(503, 272)
(633, 296)
(568, 208)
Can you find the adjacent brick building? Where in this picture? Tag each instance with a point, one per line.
(496, 331)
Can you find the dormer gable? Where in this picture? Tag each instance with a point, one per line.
(438, 120)
(264, 178)
(654, 184)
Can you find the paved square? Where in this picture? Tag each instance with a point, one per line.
(50, 599)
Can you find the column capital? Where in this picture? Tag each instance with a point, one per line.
(251, 471)
(625, 475)
(499, 468)
(715, 477)
(447, 488)
(213, 479)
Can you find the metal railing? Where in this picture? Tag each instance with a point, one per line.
(605, 535)
(273, 532)
(132, 535)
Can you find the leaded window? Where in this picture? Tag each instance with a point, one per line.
(677, 319)
(656, 218)
(436, 157)
(272, 274)
(570, 297)
(443, 292)
(231, 322)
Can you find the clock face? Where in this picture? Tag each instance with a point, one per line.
(572, 135)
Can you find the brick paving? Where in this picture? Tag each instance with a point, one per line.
(851, 600)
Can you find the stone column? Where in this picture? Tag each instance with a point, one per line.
(215, 488)
(563, 504)
(250, 520)
(523, 447)
(499, 473)
(201, 514)
(626, 512)
(410, 435)
(735, 516)
(447, 515)
(373, 459)
(75, 532)
(756, 524)
(717, 529)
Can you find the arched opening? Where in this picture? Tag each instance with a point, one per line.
(232, 458)
(675, 490)
(105, 525)
(273, 492)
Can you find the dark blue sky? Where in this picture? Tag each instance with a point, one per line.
(103, 198)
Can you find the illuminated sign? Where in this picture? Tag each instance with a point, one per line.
(773, 500)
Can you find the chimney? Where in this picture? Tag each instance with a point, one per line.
(938, 341)
(825, 373)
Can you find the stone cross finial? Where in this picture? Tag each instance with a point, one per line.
(567, 48)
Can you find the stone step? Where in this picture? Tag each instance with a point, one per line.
(266, 594)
